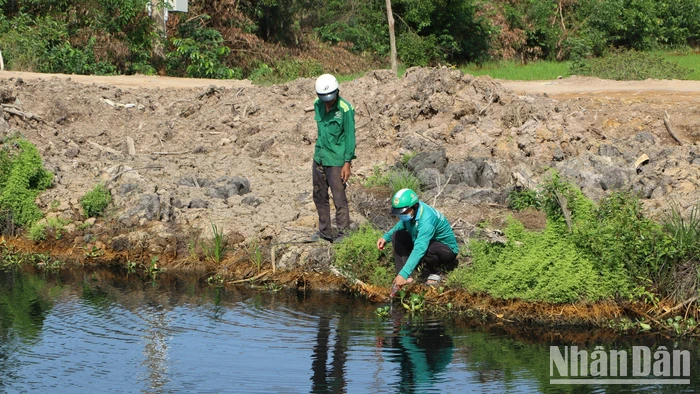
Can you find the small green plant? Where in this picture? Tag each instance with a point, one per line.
(680, 326)
(37, 232)
(413, 303)
(96, 201)
(255, 254)
(382, 312)
(216, 248)
(403, 179)
(407, 157)
(643, 292)
(377, 179)
(84, 225)
(520, 200)
(47, 263)
(215, 280)
(272, 286)
(130, 267)
(93, 252)
(685, 231)
(152, 269)
(357, 257)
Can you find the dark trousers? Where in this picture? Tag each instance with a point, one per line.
(323, 178)
(438, 259)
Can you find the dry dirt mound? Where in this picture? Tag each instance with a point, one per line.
(180, 155)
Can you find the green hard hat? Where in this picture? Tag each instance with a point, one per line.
(402, 200)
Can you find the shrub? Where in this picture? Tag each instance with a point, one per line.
(37, 232)
(620, 237)
(357, 257)
(22, 177)
(533, 266)
(95, 201)
(520, 200)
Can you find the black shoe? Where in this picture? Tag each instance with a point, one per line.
(317, 236)
(339, 236)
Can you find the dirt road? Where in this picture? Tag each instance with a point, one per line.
(566, 88)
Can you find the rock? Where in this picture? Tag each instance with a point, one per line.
(608, 150)
(120, 243)
(645, 137)
(72, 151)
(227, 187)
(147, 208)
(198, 203)
(251, 200)
(433, 159)
(430, 178)
(4, 127)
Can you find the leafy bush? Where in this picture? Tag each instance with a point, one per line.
(95, 201)
(533, 266)
(199, 52)
(619, 237)
(520, 200)
(22, 177)
(415, 50)
(37, 232)
(606, 250)
(630, 65)
(357, 257)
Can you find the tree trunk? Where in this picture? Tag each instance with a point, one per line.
(392, 38)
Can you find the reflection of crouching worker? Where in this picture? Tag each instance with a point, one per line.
(422, 236)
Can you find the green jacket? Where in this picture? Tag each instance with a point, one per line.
(428, 225)
(335, 143)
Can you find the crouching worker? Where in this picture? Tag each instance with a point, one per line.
(422, 236)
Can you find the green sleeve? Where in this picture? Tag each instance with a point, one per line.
(349, 125)
(420, 246)
(398, 226)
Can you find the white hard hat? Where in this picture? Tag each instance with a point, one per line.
(326, 87)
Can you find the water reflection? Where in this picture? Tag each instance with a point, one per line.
(329, 377)
(423, 349)
(84, 331)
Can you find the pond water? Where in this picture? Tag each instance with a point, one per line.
(102, 331)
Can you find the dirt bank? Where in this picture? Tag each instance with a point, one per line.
(181, 156)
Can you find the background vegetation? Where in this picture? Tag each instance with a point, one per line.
(277, 40)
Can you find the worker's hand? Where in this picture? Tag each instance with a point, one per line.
(381, 243)
(345, 172)
(400, 281)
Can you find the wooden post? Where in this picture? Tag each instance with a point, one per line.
(392, 37)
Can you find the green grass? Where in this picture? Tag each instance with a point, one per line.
(511, 70)
(684, 58)
(546, 70)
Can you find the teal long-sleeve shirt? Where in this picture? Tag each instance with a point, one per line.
(335, 143)
(428, 225)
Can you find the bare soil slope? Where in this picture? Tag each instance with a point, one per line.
(182, 154)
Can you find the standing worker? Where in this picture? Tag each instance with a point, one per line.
(422, 236)
(333, 154)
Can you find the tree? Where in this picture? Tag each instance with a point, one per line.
(392, 37)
